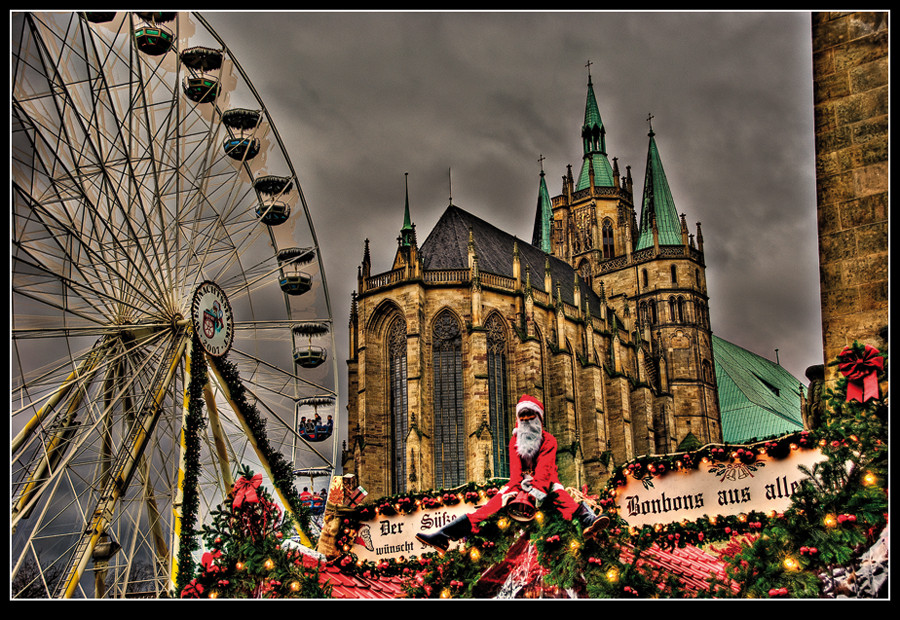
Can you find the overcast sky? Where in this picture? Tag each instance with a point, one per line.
(360, 99)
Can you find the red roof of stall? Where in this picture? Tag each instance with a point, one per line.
(691, 565)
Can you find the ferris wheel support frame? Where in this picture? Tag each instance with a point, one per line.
(99, 261)
(82, 375)
(122, 474)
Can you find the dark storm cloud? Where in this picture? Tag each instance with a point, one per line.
(476, 98)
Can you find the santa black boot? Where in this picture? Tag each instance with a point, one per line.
(441, 539)
(591, 524)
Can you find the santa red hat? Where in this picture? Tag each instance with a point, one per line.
(531, 404)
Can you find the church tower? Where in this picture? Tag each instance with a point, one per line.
(603, 320)
(652, 274)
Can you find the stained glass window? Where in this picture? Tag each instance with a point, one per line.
(397, 372)
(449, 429)
(609, 248)
(498, 395)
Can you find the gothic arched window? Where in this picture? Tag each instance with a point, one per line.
(498, 394)
(398, 403)
(708, 375)
(651, 309)
(609, 248)
(676, 309)
(449, 429)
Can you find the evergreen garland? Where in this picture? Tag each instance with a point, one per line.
(247, 557)
(194, 423)
(839, 510)
(282, 472)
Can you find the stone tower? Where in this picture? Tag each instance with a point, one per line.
(603, 320)
(653, 273)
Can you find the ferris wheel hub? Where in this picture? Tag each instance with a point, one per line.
(212, 319)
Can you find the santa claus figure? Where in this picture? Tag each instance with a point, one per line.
(532, 478)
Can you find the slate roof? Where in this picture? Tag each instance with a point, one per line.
(447, 247)
(757, 397)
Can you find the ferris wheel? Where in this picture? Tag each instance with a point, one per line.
(159, 234)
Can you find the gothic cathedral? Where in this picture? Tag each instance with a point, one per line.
(603, 317)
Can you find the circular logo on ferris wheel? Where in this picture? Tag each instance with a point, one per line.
(212, 319)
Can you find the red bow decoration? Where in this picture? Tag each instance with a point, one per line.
(862, 378)
(192, 590)
(208, 561)
(245, 490)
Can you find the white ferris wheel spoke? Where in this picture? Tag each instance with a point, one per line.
(124, 203)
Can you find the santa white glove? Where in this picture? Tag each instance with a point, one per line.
(506, 495)
(538, 495)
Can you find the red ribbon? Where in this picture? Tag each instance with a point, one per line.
(862, 379)
(208, 560)
(192, 590)
(245, 490)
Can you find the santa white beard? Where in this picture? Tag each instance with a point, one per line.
(529, 434)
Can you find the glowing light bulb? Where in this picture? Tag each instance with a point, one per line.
(830, 520)
(612, 575)
(269, 564)
(791, 564)
(869, 478)
(475, 554)
(295, 586)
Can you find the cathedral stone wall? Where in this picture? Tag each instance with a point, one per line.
(614, 341)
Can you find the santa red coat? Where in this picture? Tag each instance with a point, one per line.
(544, 478)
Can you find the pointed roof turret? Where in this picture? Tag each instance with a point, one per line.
(593, 136)
(543, 216)
(658, 207)
(408, 231)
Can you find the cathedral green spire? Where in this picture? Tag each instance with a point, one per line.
(542, 217)
(407, 232)
(658, 204)
(593, 136)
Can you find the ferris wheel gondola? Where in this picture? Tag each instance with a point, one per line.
(144, 280)
(202, 85)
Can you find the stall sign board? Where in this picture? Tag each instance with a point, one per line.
(392, 537)
(715, 489)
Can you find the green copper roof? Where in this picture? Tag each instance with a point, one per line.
(657, 204)
(757, 397)
(603, 174)
(593, 136)
(541, 237)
